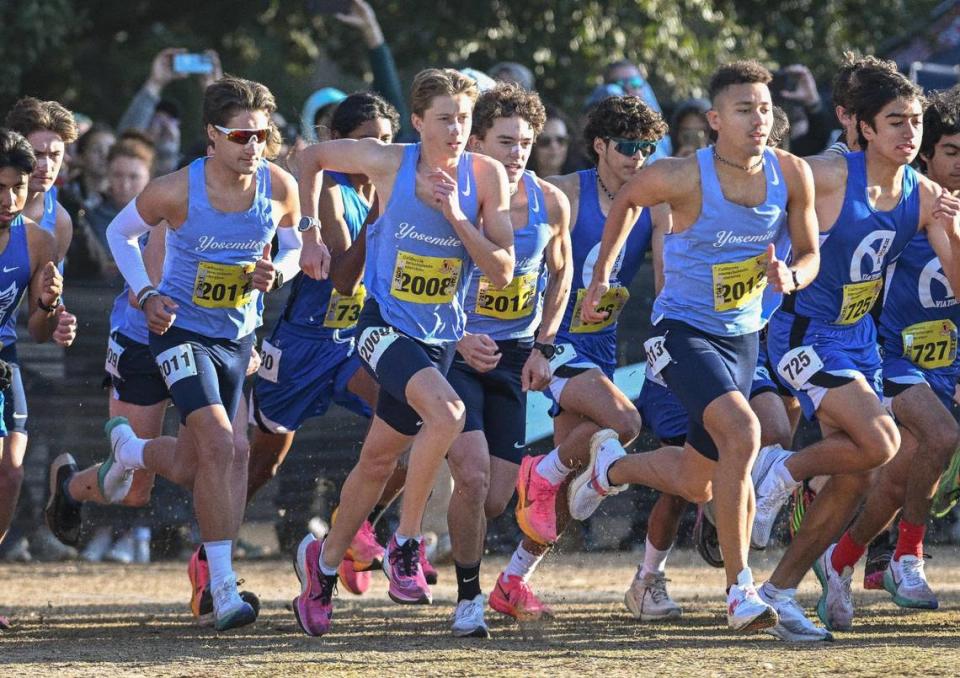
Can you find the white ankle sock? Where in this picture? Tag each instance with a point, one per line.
(654, 560)
(522, 564)
(551, 468)
(401, 539)
(326, 569)
(219, 559)
(130, 450)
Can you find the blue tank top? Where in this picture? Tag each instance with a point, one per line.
(920, 311)
(14, 279)
(715, 271)
(514, 312)
(48, 221)
(126, 319)
(417, 267)
(857, 249)
(210, 259)
(598, 341)
(314, 306)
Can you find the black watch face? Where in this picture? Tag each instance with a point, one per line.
(548, 350)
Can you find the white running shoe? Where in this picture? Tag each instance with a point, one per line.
(98, 545)
(835, 607)
(229, 609)
(592, 486)
(468, 619)
(772, 492)
(122, 550)
(647, 598)
(746, 610)
(905, 580)
(794, 626)
(114, 478)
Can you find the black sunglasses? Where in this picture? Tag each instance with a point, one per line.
(630, 147)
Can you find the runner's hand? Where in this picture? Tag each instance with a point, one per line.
(159, 311)
(66, 330)
(589, 312)
(315, 259)
(445, 195)
(254, 363)
(264, 272)
(52, 285)
(946, 212)
(479, 351)
(536, 372)
(778, 274)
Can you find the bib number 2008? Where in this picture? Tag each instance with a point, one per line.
(420, 279)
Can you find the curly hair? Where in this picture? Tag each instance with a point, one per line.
(31, 115)
(875, 88)
(738, 73)
(626, 117)
(942, 118)
(360, 107)
(505, 101)
(845, 80)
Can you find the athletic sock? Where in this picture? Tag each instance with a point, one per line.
(326, 569)
(551, 468)
(846, 553)
(522, 564)
(468, 581)
(130, 452)
(910, 540)
(219, 555)
(654, 560)
(401, 539)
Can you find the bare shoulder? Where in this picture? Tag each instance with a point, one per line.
(556, 198)
(569, 184)
(282, 183)
(488, 172)
(930, 190)
(63, 217)
(166, 197)
(37, 237)
(828, 169)
(795, 169)
(667, 180)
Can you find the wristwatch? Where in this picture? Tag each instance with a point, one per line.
(796, 280)
(548, 350)
(306, 223)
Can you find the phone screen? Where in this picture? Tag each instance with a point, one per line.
(192, 63)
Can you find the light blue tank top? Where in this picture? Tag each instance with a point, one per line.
(309, 305)
(417, 266)
(14, 279)
(210, 260)
(126, 319)
(48, 221)
(715, 271)
(920, 311)
(857, 249)
(514, 312)
(597, 342)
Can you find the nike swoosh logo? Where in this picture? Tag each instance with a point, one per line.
(536, 201)
(518, 446)
(468, 189)
(474, 578)
(19, 416)
(7, 270)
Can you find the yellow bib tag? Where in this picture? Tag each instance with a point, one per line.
(612, 302)
(516, 300)
(858, 299)
(342, 311)
(931, 344)
(421, 279)
(223, 285)
(737, 283)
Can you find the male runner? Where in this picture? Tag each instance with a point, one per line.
(918, 339)
(498, 361)
(870, 204)
(221, 212)
(418, 254)
(620, 134)
(729, 203)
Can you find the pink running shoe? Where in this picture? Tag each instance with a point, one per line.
(429, 571)
(365, 550)
(314, 606)
(513, 597)
(402, 566)
(355, 581)
(536, 503)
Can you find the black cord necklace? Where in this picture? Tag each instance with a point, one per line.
(748, 168)
(603, 186)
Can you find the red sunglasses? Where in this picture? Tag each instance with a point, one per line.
(243, 136)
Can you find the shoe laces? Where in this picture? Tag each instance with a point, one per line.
(912, 572)
(406, 558)
(224, 591)
(328, 586)
(656, 583)
(471, 608)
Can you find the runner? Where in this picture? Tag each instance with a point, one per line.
(870, 204)
(707, 319)
(498, 361)
(221, 212)
(418, 253)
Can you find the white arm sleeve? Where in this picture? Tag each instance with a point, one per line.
(122, 235)
(287, 260)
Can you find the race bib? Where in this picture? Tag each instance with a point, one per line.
(421, 279)
(798, 365)
(858, 299)
(737, 283)
(930, 344)
(342, 311)
(564, 354)
(223, 285)
(612, 302)
(269, 362)
(516, 300)
(177, 363)
(372, 344)
(114, 351)
(657, 355)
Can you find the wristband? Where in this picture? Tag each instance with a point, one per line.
(49, 309)
(146, 294)
(277, 281)
(796, 280)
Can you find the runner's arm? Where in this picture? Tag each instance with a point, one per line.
(346, 256)
(941, 217)
(559, 259)
(46, 284)
(63, 232)
(289, 243)
(662, 219)
(801, 219)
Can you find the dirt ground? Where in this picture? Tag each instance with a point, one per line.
(81, 619)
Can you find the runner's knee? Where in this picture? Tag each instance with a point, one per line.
(880, 442)
(628, 424)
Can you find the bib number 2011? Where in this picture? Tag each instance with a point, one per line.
(177, 363)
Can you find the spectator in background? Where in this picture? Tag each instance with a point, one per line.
(795, 90)
(689, 127)
(89, 177)
(511, 71)
(318, 112)
(552, 147)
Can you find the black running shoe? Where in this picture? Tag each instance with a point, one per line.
(705, 538)
(63, 514)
